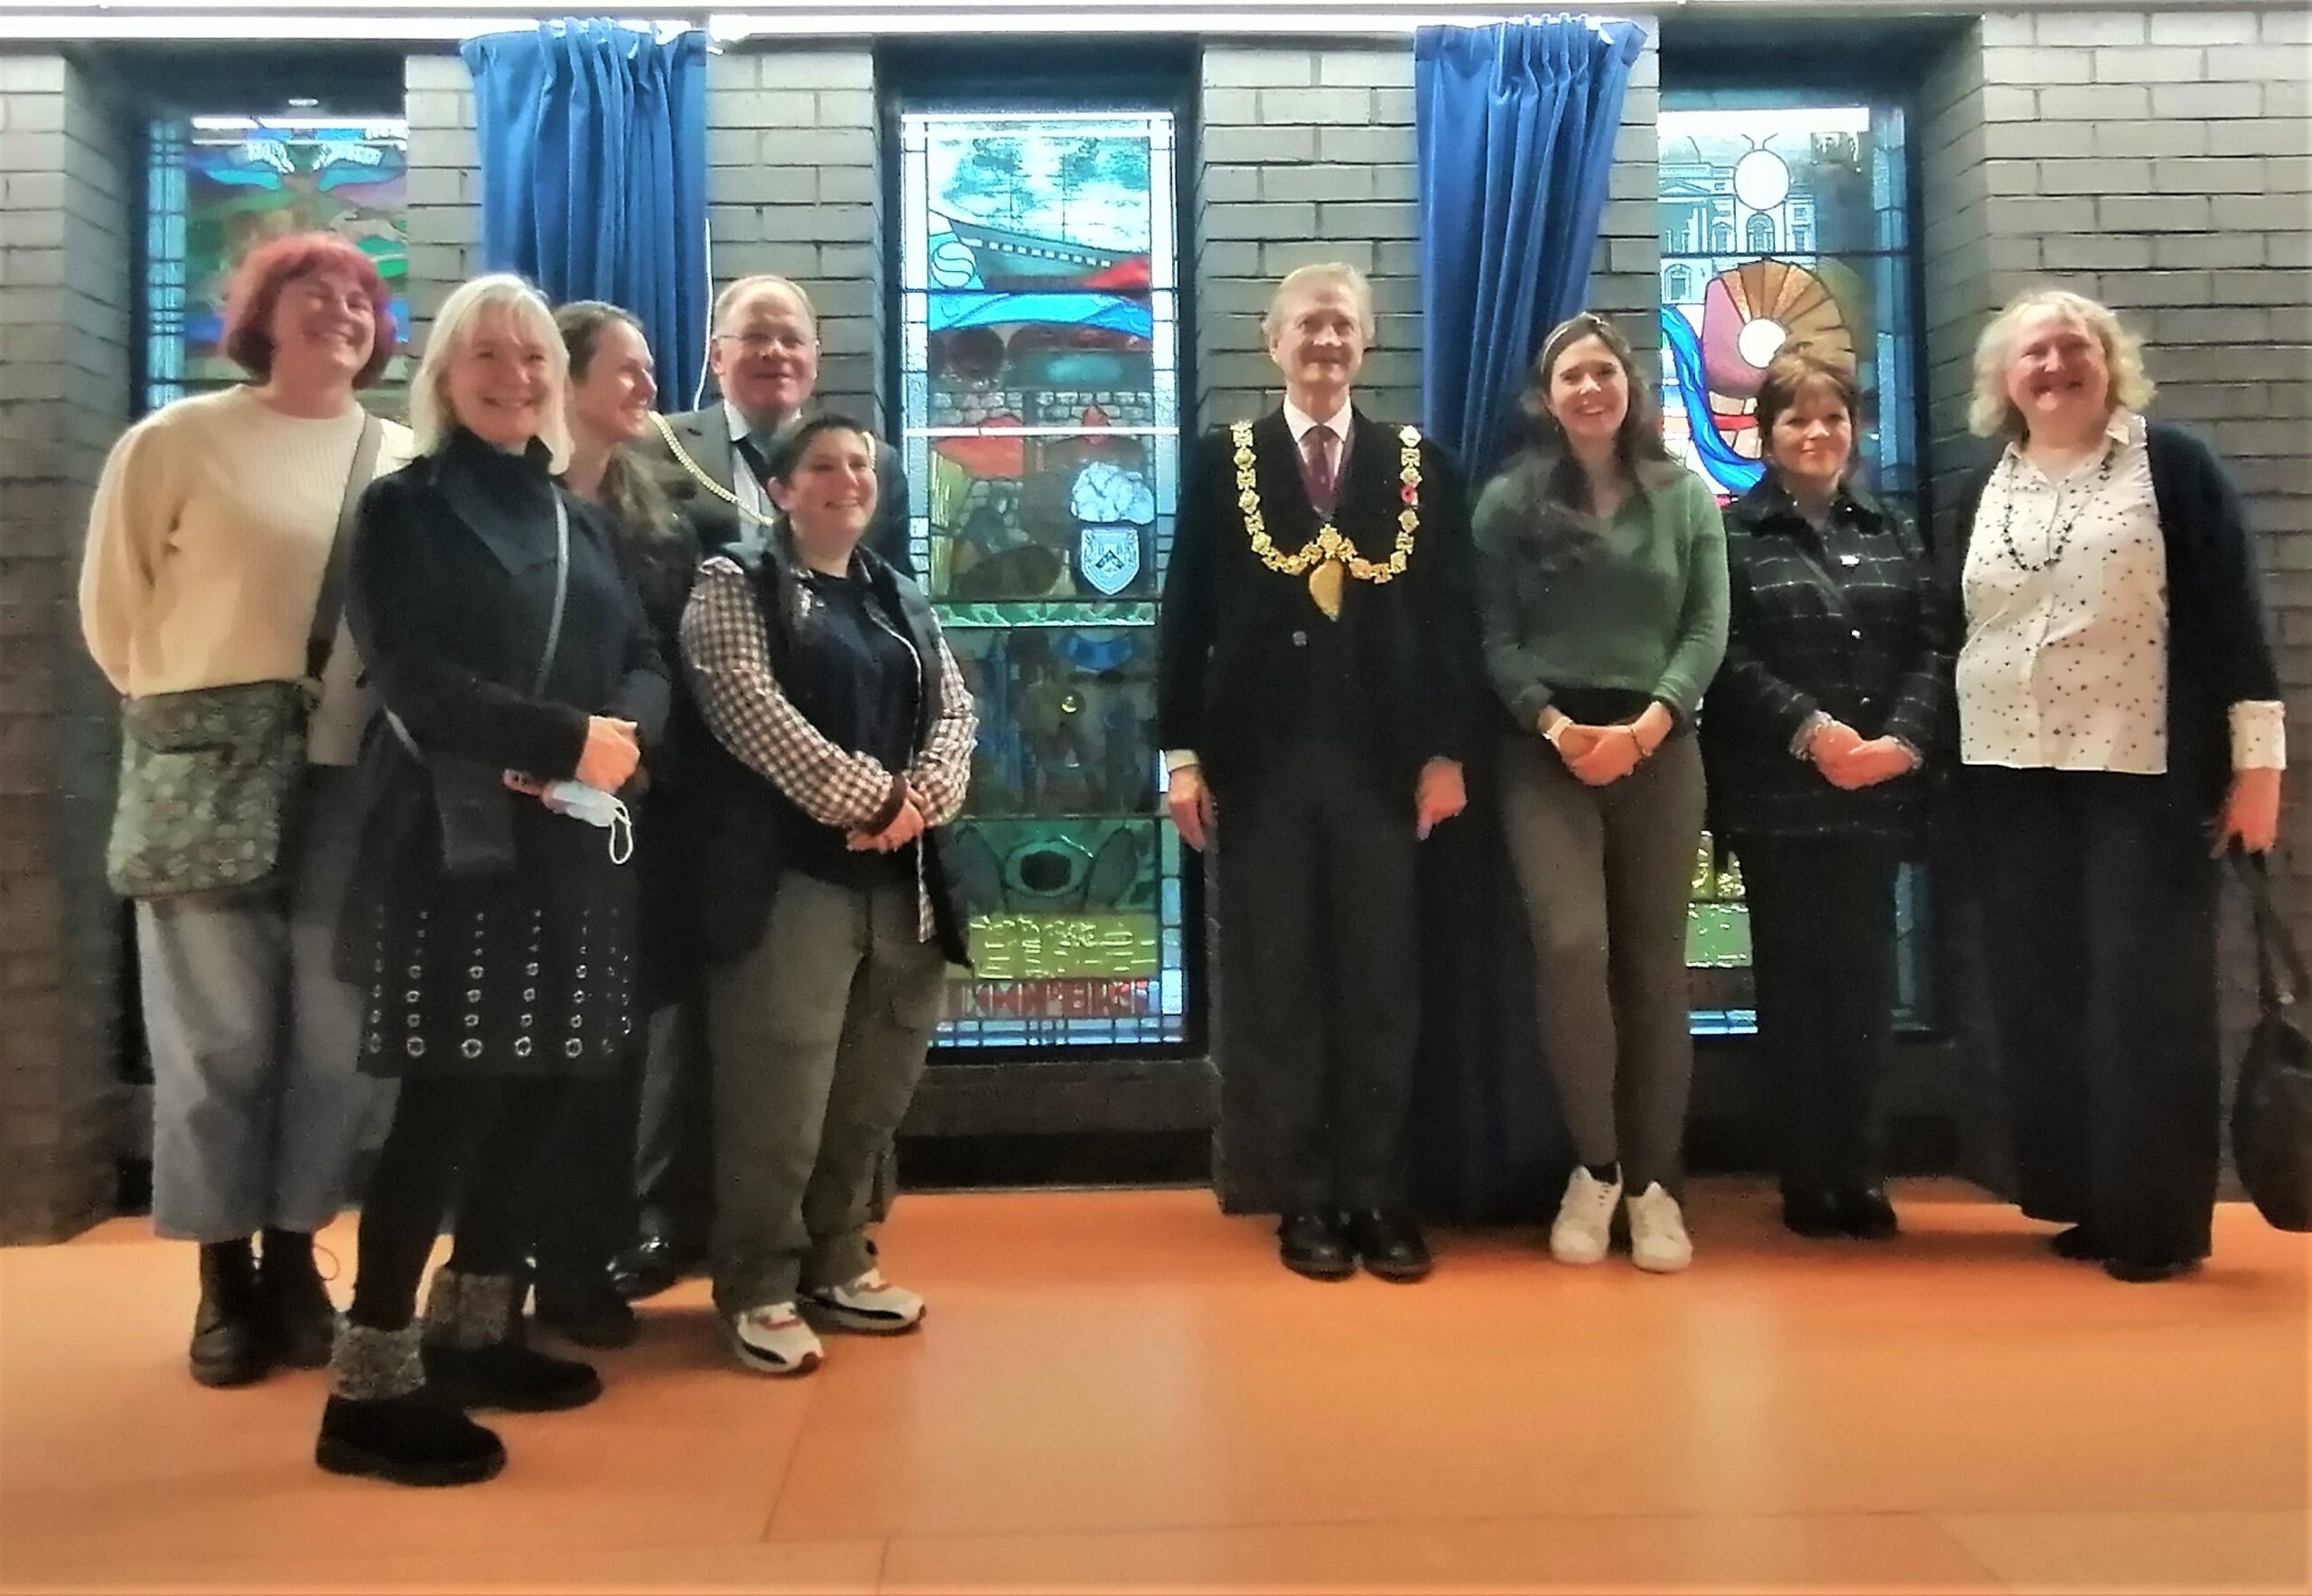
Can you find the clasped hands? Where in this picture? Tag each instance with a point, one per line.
(1850, 760)
(1600, 756)
(905, 827)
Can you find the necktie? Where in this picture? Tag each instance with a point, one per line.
(1317, 452)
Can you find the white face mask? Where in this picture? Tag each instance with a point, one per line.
(597, 808)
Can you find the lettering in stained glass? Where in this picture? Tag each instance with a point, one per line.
(1039, 312)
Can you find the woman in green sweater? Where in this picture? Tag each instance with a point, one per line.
(1604, 616)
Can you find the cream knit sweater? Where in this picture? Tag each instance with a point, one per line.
(206, 543)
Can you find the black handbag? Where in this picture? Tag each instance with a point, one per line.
(2271, 1107)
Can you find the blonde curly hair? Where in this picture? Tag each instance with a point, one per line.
(1991, 413)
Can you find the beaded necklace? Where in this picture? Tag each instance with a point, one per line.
(2059, 526)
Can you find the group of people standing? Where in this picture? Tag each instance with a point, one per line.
(622, 750)
(2087, 669)
(625, 746)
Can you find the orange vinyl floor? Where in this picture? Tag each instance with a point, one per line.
(1122, 1390)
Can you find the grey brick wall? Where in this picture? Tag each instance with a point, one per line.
(794, 186)
(445, 186)
(1308, 156)
(66, 164)
(2161, 162)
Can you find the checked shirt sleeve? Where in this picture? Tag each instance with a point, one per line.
(729, 656)
(943, 770)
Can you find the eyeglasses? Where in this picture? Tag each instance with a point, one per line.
(763, 343)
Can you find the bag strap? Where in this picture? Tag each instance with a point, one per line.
(329, 607)
(553, 625)
(561, 593)
(2275, 950)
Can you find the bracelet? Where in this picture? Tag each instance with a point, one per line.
(1556, 730)
(1637, 742)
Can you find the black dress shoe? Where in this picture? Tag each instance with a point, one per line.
(1389, 1244)
(1868, 1214)
(1314, 1245)
(1814, 1214)
(2078, 1245)
(651, 1266)
(2144, 1272)
(600, 1319)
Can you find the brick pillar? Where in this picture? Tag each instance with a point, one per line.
(67, 171)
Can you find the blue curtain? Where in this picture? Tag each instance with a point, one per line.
(1515, 126)
(593, 175)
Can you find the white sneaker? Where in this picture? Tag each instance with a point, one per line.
(774, 1341)
(870, 1305)
(1585, 1219)
(1658, 1242)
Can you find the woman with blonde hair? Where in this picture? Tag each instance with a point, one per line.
(211, 599)
(2120, 721)
(495, 927)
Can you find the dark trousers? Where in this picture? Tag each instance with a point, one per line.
(584, 1196)
(468, 1144)
(2099, 920)
(1319, 983)
(1822, 950)
(674, 1154)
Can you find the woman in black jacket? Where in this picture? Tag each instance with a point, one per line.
(1828, 705)
(492, 924)
(2120, 722)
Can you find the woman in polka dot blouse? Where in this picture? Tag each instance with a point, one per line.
(2120, 724)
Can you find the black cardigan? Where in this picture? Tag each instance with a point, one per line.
(2219, 645)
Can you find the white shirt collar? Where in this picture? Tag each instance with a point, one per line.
(1300, 421)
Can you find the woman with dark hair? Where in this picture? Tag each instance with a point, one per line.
(587, 1208)
(211, 543)
(2120, 721)
(1831, 699)
(1602, 597)
(841, 745)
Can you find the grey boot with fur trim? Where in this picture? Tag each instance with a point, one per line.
(384, 1422)
(475, 1357)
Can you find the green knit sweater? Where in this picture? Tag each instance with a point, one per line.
(1636, 601)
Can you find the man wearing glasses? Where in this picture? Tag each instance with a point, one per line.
(764, 353)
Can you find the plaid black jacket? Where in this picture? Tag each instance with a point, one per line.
(1852, 622)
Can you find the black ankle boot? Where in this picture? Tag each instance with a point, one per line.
(383, 1421)
(299, 1317)
(474, 1355)
(229, 1343)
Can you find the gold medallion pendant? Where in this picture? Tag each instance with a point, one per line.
(1329, 558)
(1324, 587)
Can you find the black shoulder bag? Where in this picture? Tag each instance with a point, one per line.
(2271, 1107)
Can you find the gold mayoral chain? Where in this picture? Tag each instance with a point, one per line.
(1332, 556)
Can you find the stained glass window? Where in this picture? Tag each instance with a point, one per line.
(1040, 309)
(1818, 195)
(218, 186)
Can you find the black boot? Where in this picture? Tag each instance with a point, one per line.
(383, 1421)
(229, 1343)
(299, 1317)
(597, 1318)
(474, 1355)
